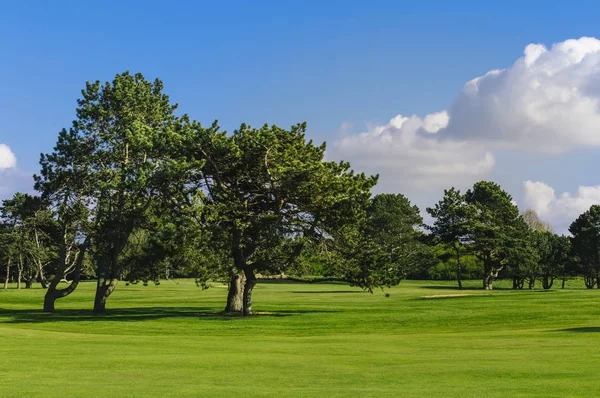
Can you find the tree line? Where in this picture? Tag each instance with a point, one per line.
(132, 191)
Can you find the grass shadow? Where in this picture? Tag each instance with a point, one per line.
(455, 288)
(328, 291)
(586, 329)
(21, 316)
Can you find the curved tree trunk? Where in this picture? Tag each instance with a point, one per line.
(547, 282)
(235, 294)
(52, 294)
(248, 287)
(104, 289)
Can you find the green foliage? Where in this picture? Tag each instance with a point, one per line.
(586, 244)
(386, 247)
(497, 235)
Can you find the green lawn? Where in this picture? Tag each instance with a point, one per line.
(311, 340)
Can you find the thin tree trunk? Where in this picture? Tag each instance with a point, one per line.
(235, 294)
(19, 272)
(8, 264)
(563, 282)
(39, 263)
(531, 283)
(458, 269)
(248, 287)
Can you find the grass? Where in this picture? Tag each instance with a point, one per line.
(310, 340)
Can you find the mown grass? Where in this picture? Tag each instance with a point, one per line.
(308, 340)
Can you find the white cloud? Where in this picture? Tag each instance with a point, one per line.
(547, 101)
(559, 210)
(407, 151)
(8, 159)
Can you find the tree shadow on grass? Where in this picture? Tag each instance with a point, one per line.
(17, 316)
(328, 291)
(455, 288)
(585, 329)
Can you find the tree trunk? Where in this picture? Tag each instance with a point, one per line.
(52, 294)
(19, 272)
(248, 287)
(458, 270)
(42, 278)
(589, 281)
(7, 274)
(488, 280)
(547, 282)
(29, 282)
(563, 282)
(104, 289)
(106, 285)
(531, 283)
(235, 294)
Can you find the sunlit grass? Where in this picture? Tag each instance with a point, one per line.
(425, 339)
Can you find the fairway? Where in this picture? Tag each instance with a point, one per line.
(310, 340)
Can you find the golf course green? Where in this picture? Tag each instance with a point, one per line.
(423, 339)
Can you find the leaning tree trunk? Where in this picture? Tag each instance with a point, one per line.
(53, 294)
(235, 294)
(8, 264)
(248, 287)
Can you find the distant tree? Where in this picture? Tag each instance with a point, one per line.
(388, 245)
(450, 225)
(585, 231)
(495, 229)
(524, 256)
(29, 222)
(555, 256)
(534, 222)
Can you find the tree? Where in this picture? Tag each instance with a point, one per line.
(118, 150)
(450, 226)
(29, 223)
(554, 257)
(534, 222)
(385, 247)
(265, 193)
(495, 229)
(586, 244)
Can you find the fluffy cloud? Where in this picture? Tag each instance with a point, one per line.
(560, 210)
(8, 159)
(547, 101)
(407, 150)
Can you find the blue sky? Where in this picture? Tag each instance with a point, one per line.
(343, 66)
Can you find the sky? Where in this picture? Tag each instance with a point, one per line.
(427, 94)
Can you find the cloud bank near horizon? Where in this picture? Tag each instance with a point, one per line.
(546, 102)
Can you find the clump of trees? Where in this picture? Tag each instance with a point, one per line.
(132, 191)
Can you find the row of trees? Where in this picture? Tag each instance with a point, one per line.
(133, 192)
